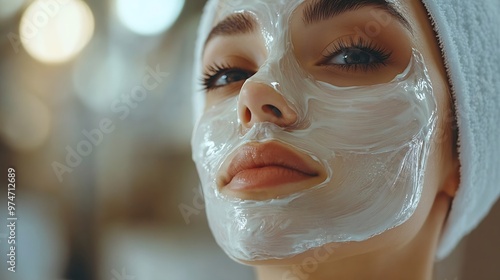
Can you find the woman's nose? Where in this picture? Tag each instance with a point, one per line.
(261, 103)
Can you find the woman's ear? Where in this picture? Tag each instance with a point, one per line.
(451, 180)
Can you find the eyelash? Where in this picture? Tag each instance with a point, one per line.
(217, 70)
(381, 55)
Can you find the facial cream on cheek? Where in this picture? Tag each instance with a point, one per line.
(371, 141)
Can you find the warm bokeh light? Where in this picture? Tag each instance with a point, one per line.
(148, 17)
(56, 31)
(9, 8)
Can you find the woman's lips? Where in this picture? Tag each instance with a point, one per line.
(268, 170)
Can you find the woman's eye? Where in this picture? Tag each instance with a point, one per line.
(230, 76)
(356, 55)
(353, 56)
(223, 76)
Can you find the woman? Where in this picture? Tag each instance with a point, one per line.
(327, 147)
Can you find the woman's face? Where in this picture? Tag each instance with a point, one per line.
(323, 117)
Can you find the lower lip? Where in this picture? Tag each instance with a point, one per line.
(265, 178)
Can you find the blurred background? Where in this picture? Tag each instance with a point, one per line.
(95, 118)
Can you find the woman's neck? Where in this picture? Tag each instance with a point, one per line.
(364, 267)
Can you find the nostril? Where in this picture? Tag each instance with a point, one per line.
(247, 116)
(273, 110)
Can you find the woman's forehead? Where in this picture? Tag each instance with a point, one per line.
(234, 17)
(277, 7)
(270, 8)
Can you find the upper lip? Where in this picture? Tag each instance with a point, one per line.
(258, 155)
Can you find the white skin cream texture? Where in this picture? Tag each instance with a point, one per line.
(373, 142)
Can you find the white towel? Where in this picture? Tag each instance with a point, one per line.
(469, 33)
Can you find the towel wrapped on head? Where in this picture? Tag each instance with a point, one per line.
(469, 35)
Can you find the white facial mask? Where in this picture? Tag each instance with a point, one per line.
(373, 142)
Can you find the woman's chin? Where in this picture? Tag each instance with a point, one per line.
(394, 238)
(325, 253)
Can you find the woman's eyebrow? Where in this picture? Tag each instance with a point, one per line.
(235, 24)
(320, 10)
